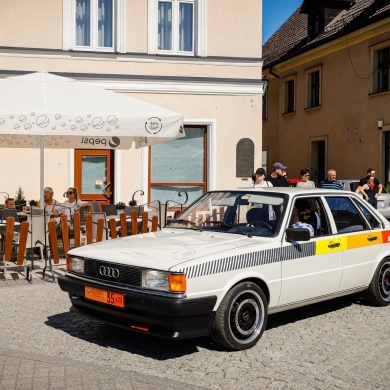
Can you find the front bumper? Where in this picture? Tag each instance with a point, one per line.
(167, 317)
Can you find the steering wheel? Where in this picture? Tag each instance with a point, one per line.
(261, 223)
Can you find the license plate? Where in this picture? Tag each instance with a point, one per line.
(381, 203)
(103, 296)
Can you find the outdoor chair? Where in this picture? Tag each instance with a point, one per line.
(109, 209)
(5, 213)
(95, 207)
(37, 238)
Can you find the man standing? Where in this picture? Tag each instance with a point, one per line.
(276, 177)
(377, 186)
(330, 183)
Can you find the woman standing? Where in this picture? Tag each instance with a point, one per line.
(304, 179)
(367, 190)
(259, 179)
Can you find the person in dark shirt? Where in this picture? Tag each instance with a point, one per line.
(276, 177)
(376, 186)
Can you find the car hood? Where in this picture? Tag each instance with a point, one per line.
(165, 249)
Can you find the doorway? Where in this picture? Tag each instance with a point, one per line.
(93, 173)
(318, 160)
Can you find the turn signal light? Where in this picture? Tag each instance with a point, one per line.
(177, 283)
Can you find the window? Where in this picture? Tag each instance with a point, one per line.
(384, 69)
(346, 215)
(94, 25)
(289, 96)
(176, 27)
(179, 165)
(314, 215)
(313, 88)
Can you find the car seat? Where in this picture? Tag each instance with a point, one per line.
(258, 214)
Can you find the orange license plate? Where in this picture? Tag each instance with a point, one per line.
(103, 296)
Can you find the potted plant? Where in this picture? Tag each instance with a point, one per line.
(120, 205)
(20, 200)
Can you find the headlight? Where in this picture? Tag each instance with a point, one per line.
(163, 281)
(75, 264)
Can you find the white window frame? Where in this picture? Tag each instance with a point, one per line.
(119, 30)
(199, 29)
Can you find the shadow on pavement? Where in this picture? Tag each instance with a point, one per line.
(314, 310)
(108, 336)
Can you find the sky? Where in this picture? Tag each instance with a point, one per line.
(275, 13)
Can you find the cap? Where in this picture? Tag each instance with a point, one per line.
(278, 165)
(260, 171)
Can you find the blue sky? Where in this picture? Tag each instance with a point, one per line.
(275, 13)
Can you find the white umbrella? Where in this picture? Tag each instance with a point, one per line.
(48, 111)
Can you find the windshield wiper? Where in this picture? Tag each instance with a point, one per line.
(221, 223)
(186, 221)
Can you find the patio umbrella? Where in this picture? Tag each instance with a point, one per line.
(42, 110)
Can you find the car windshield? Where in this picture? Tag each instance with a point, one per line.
(252, 213)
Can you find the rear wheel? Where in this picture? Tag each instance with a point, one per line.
(378, 292)
(241, 317)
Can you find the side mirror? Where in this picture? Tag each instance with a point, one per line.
(297, 234)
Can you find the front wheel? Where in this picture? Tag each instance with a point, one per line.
(378, 292)
(241, 317)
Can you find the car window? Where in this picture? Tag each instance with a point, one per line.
(236, 212)
(353, 185)
(346, 215)
(372, 219)
(317, 214)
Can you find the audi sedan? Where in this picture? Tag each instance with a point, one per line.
(232, 258)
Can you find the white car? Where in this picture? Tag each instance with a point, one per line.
(383, 199)
(231, 259)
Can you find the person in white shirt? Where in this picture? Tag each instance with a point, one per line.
(72, 205)
(259, 179)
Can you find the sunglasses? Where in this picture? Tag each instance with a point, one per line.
(69, 193)
(307, 175)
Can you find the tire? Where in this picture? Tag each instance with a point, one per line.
(378, 292)
(241, 317)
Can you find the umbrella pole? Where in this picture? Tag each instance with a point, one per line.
(42, 170)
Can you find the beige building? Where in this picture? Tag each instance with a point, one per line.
(328, 96)
(183, 55)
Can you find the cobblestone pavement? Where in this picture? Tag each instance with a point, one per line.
(339, 344)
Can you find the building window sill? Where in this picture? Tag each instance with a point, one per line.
(313, 108)
(288, 113)
(378, 93)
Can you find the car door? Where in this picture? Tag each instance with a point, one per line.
(314, 268)
(360, 231)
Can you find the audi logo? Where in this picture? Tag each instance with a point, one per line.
(108, 271)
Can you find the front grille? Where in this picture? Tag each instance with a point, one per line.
(128, 275)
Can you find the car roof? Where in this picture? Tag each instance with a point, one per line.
(290, 190)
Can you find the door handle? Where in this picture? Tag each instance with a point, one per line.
(105, 193)
(333, 245)
(372, 238)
